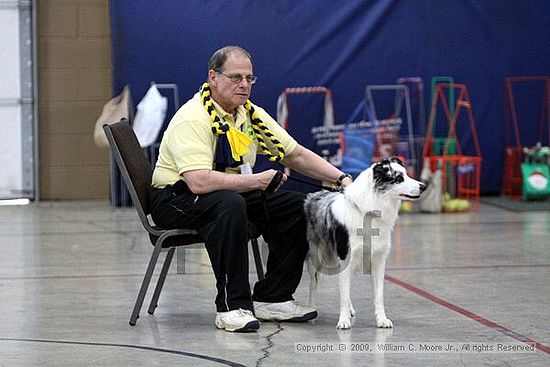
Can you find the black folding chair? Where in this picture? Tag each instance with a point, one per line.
(137, 174)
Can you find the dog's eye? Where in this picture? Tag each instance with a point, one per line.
(399, 179)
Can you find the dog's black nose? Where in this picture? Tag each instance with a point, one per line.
(422, 187)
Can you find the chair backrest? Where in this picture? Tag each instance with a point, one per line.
(133, 164)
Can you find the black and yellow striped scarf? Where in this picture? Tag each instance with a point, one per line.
(233, 144)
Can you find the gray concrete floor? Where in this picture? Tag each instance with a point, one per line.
(70, 271)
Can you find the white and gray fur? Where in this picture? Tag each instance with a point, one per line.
(333, 223)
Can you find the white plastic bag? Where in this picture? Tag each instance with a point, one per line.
(150, 115)
(432, 199)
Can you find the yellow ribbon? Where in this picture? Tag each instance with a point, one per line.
(238, 141)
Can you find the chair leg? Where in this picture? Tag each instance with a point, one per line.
(257, 258)
(160, 283)
(145, 284)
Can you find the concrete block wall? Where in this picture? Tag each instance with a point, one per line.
(74, 81)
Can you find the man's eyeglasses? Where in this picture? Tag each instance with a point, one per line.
(237, 78)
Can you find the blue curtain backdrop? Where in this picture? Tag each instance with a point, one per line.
(343, 45)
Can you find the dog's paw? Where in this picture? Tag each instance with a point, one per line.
(384, 323)
(344, 323)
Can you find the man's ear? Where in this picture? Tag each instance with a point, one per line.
(212, 77)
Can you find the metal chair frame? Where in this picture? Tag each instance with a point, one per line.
(137, 173)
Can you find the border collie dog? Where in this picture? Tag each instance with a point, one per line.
(337, 234)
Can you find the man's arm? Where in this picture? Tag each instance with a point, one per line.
(204, 181)
(306, 162)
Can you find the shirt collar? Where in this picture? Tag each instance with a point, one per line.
(239, 117)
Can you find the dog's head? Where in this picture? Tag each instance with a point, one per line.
(390, 178)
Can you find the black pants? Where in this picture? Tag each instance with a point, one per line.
(221, 217)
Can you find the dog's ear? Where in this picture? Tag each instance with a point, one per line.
(396, 159)
(381, 169)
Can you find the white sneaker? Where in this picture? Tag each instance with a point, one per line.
(237, 320)
(284, 311)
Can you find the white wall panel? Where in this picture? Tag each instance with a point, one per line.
(16, 154)
(9, 52)
(11, 178)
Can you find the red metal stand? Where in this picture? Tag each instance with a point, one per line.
(512, 181)
(460, 173)
(283, 110)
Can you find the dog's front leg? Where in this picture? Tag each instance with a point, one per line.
(313, 282)
(344, 322)
(378, 269)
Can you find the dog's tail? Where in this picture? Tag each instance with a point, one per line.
(340, 238)
(335, 249)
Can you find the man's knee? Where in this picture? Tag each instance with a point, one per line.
(231, 202)
(295, 204)
(297, 196)
(294, 199)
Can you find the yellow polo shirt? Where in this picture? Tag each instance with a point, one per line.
(189, 144)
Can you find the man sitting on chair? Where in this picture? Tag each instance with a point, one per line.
(203, 180)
